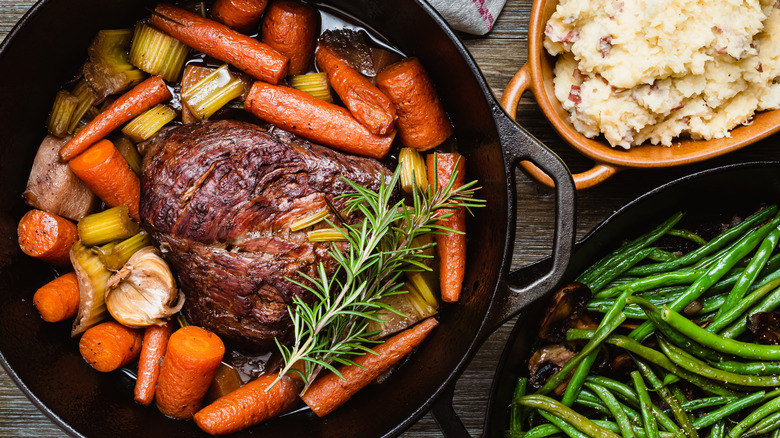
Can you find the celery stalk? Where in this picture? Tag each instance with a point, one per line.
(108, 225)
(149, 122)
(212, 93)
(315, 84)
(326, 235)
(120, 252)
(61, 113)
(87, 98)
(413, 170)
(309, 220)
(128, 150)
(157, 53)
(109, 70)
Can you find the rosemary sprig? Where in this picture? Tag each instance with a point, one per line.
(335, 325)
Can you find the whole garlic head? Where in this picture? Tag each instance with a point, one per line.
(144, 291)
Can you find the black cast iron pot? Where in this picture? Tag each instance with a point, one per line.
(703, 196)
(44, 51)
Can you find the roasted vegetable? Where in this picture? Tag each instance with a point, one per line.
(93, 277)
(109, 71)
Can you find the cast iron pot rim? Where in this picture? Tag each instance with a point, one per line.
(500, 282)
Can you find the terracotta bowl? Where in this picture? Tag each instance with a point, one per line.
(537, 75)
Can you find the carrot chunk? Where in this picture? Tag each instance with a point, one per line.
(106, 172)
(290, 28)
(190, 363)
(314, 119)
(109, 346)
(450, 246)
(152, 351)
(248, 405)
(422, 122)
(47, 237)
(58, 299)
(139, 99)
(240, 15)
(330, 391)
(219, 41)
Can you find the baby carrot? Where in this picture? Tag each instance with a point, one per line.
(219, 41)
(47, 236)
(152, 352)
(109, 346)
(450, 246)
(248, 405)
(190, 363)
(366, 103)
(139, 99)
(290, 28)
(58, 299)
(314, 119)
(240, 15)
(422, 123)
(106, 172)
(330, 391)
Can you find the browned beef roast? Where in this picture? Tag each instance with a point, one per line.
(219, 197)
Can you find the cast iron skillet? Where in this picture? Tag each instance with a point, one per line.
(42, 53)
(702, 196)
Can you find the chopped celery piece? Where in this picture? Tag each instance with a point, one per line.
(115, 254)
(128, 150)
(149, 122)
(108, 225)
(157, 53)
(425, 241)
(413, 170)
(212, 93)
(92, 276)
(87, 97)
(315, 84)
(61, 113)
(423, 282)
(109, 70)
(326, 235)
(309, 220)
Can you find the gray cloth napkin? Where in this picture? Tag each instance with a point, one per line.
(470, 16)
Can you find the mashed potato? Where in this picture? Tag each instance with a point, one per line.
(652, 70)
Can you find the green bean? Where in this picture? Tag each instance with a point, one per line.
(561, 424)
(754, 417)
(614, 407)
(625, 393)
(545, 430)
(567, 414)
(596, 406)
(657, 358)
(651, 426)
(756, 368)
(725, 285)
(743, 247)
(654, 281)
(716, 342)
(618, 268)
(694, 365)
(600, 266)
(575, 382)
(515, 411)
(738, 327)
(677, 411)
(718, 430)
(611, 321)
(768, 424)
(706, 402)
(659, 255)
(711, 247)
(662, 292)
(687, 234)
(724, 411)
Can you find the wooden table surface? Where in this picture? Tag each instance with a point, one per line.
(499, 54)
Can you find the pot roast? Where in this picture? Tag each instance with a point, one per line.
(219, 198)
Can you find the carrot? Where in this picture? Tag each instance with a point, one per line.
(450, 246)
(190, 363)
(152, 352)
(366, 103)
(106, 172)
(139, 99)
(249, 405)
(221, 42)
(47, 236)
(240, 15)
(290, 28)
(110, 345)
(330, 391)
(422, 123)
(314, 119)
(58, 299)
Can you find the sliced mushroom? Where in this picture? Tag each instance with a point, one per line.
(547, 361)
(566, 310)
(766, 326)
(143, 292)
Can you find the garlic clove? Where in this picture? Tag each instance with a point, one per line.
(144, 291)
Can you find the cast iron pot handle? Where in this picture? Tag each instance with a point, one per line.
(519, 145)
